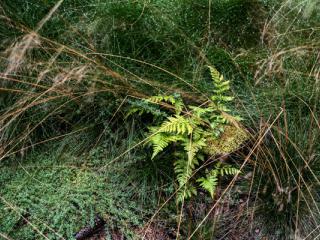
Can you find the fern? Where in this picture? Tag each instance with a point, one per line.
(192, 131)
(161, 140)
(200, 111)
(221, 87)
(229, 170)
(174, 100)
(193, 147)
(143, 107)
(177, 124)
(210, 181)
(188, 191)
(184, 167)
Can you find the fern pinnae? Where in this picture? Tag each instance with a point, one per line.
(198, 132)
(160, 141)
(209, 184)
(175, 101)
(177, 124)
(229, 170)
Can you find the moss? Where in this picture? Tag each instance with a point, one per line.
(229, 141)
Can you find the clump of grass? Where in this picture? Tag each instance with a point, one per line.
(286, 177)
(283, 200)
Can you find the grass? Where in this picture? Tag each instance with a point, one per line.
(68, 75)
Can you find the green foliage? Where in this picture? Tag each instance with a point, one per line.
(191, 128)
(232, 22)
(173, 100)
(57, 194)
(285, 183)
(210, 181)
(269, 50)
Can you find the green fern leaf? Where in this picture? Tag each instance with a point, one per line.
(177, 124)
(176, 101)
(229, 170)
(209, 183)
(193, 147)
(186, 192)
(161, 140)
(215, 75)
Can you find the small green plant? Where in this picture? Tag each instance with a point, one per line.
(57, 194)
(196, 131)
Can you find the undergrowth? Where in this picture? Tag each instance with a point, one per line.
(56, 194)
(196, 131)
(69, 71)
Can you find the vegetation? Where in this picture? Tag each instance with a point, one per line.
(198, 130)
(108, 108)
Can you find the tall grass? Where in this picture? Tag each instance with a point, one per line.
(68, 69)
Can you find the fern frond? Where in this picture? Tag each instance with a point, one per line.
(160, 141)
(178, 125)
(200, 112)
(176, 101)
(192, 147)
(215, 75)
(221, 87)
(179, 105)
(199, 133)
(162, 98)
(229, 170)
(184, 167)
(186, 192)
(221, 98)
(209, 183)
(143, 107)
